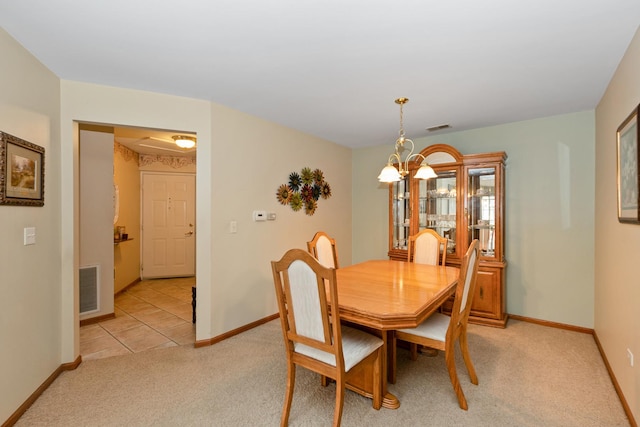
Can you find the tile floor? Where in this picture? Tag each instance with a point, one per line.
(151, 314)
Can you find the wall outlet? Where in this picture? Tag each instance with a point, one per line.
(630, 356)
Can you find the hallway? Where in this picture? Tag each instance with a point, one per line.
(152, 314)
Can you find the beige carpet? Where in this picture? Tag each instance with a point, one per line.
(529, 375)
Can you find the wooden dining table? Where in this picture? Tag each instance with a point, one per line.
(381, 296)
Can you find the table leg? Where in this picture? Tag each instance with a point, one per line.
(391, 358)
(193, 304)
(388, 400)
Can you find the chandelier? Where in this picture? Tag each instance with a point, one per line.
(392, 174)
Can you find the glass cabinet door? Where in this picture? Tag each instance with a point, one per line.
(437, 206)
(401, 213)
(481, 208)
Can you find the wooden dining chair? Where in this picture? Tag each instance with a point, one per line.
(323, 248)
(441, 331)
(427, 247)
(313, 335)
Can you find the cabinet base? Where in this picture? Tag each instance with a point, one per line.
(496, 323)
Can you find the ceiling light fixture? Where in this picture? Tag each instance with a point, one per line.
(184, 141)
(392, 174)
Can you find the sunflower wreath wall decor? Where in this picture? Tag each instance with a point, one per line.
(304, 189)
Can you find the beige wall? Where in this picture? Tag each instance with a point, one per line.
(617, 245)
(549, 210)
(96, 219)
(30, 280)
(251, 158)
(233, 179)
(126, 255)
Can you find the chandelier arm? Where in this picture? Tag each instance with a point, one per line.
(392, 160)
(416, 155)
(410, 155)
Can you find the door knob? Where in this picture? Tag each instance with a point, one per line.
(188, 233)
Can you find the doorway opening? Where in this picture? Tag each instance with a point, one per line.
(158, 304)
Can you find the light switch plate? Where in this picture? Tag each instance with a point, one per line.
(29, 236)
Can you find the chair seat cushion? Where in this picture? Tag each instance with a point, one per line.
(356, 345)
(435, 327)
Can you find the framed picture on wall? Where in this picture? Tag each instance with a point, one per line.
(21, 172)
(628, 175)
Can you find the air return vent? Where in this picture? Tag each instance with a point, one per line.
(439, 127)
(89, 285)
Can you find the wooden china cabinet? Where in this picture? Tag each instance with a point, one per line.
(464, 202)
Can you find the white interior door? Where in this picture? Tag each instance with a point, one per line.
(168, 225)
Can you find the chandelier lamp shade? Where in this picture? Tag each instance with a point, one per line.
(184, 141)
(391, 173)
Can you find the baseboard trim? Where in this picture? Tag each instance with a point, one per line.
(614, 380)
(97, 319)
(135, 282)
(211, 341)
(36, 394)
(552, 324)
(204, 343)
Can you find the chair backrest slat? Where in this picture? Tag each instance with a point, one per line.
(325, 252)
(465, 288)
(426, 247)
(469, 276)
(305, 301)
(323, 248)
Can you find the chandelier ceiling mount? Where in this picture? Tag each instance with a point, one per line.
(391, 173)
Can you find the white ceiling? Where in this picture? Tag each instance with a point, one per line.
(333, 68)
(152, 141)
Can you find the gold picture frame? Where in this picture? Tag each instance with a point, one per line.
(21, 172)
(628, 176)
